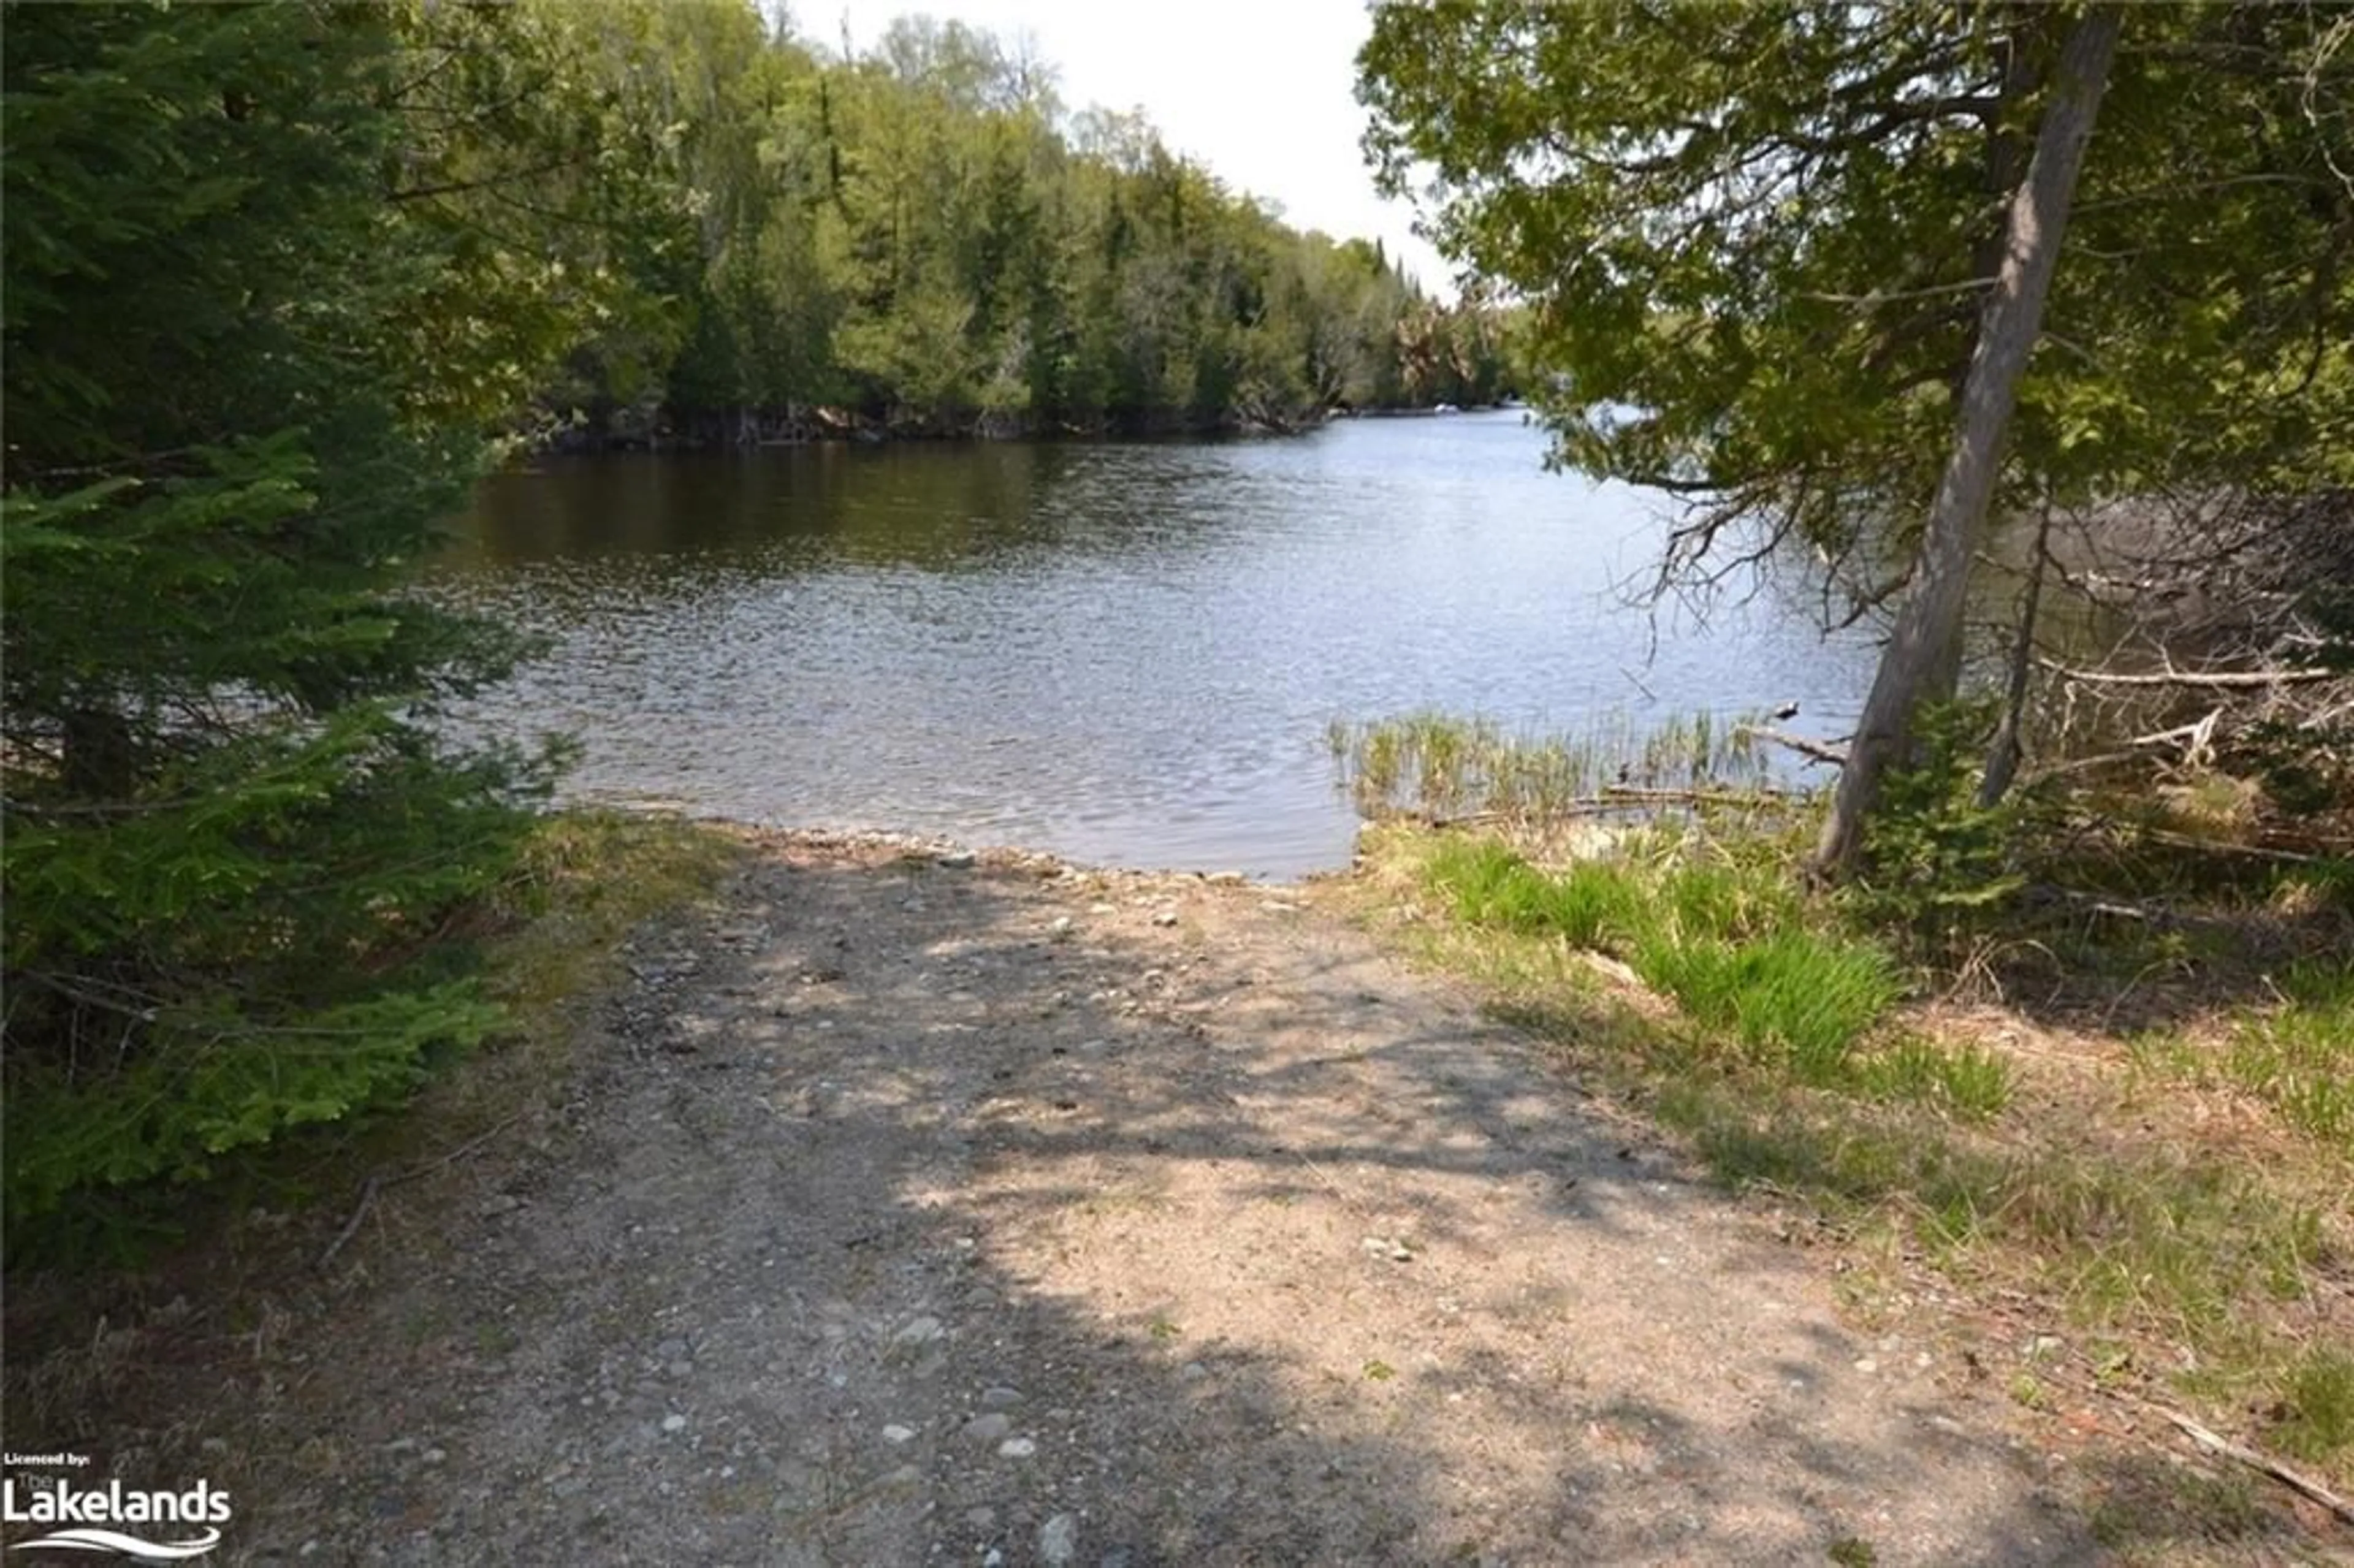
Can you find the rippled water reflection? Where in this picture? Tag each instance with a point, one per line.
(1125, 653)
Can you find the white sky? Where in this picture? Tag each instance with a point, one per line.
(1261, 92)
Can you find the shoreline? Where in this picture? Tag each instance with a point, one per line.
(771, 429)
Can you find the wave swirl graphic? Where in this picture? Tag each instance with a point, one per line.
(94, 1539)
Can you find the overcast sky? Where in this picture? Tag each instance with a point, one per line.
(1259, 91)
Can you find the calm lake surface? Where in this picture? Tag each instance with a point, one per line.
(1122, 653)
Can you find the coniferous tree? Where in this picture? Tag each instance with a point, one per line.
(229, 834)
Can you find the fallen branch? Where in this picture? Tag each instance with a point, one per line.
(2097, 904)
(1636, 793)
(1432, 820)
(2216, 1444)
(2245, 678)
(1613, 799)
(2197, 737)
(2081, 764)
(2219, 846)
(1814, 750)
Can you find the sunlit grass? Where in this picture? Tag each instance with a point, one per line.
(2299, 1058)
(1722, 938)
(1790, 1061)
(2295, 1056)
(584, 880)
(1969, 1081)
(1592, 904)
(1796, 996)
(2319, 1406)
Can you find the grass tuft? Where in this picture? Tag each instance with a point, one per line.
(1968, 1080)
(2299, 1059)
(1593, 904)
(1793, 994)
(584, 880)
(1438, 765)
(2315, 1416)
(1722, 939)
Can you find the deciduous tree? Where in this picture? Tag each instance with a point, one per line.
(1758, 244)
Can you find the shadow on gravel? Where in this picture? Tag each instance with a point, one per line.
(1093, 1172)
(892, 1222)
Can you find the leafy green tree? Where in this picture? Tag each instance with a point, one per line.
(1761, 246)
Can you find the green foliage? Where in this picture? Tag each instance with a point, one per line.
(1593, 904)
(1710, 896)
(2317, 1416)
(1969, 1081)
(246, 352)
(2307, 769)
(1439, 765)
(1802, 997)
(923, 235)
(2298, 1058)
(1933, 857)
(1730, 944)
(1754, 242)
(2166, 1249)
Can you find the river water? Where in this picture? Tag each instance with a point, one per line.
(1126, 653)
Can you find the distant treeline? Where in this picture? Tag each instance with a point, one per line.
(920, 239)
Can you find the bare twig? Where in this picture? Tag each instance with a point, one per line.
(2200, 732)
(455, 1155)
(377, 1181)
(352, 1227)
(2216, 1444)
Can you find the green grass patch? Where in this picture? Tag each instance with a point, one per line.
(2295, 1056)
(585, 880)
(2315, 1419)
(1721, 896)
(1786, 1065)
(1722, 939)
(1593, 904)
(1971, 1082)
(1793, 996)
(2299, 1058)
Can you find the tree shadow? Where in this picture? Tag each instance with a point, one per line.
(891, 1223)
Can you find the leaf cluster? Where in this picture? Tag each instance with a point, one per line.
(1755, 240)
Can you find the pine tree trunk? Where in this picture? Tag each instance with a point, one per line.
(1918, 663)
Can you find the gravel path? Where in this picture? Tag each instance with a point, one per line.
(985, 1212)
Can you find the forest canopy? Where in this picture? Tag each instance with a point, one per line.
(924, 235)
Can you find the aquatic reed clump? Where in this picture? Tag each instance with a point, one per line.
(1440, 767)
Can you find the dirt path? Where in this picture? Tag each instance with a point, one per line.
(977, 1213)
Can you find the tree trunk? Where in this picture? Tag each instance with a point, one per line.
(1916, 667)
